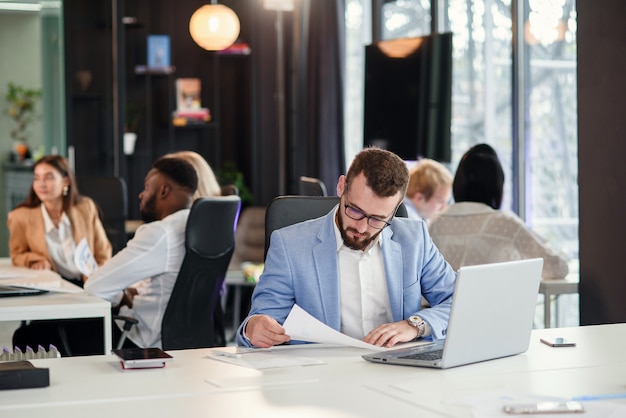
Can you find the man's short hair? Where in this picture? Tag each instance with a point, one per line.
(426, 176)
(386, 174)
(179, 171)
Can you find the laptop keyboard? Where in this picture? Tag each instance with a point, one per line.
(426, 355)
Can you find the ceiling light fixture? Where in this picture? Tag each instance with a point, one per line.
(214, 26)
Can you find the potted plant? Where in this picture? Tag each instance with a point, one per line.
(133, 116)
(230, 174)
(21, 109)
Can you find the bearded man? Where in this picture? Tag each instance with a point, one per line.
(358, 269)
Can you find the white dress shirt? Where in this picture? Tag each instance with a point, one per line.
(363, 288)
(153, 257)
(61, 245)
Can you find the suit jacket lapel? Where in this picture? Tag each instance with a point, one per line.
(392, 258)
(327, 270)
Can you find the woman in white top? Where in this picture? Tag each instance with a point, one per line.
(474, 231)
(53, 219)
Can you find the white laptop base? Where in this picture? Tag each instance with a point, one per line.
(492, 314)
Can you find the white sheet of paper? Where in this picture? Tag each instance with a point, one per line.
(83, 258)
(41, 279)
(265, 360)
(300, 325)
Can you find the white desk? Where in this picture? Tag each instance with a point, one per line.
(74, 303)
(346, 386)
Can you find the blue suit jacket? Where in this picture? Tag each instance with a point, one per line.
(301, 267)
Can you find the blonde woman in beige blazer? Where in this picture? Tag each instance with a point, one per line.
(41, 226)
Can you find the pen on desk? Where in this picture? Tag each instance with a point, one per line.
(6, 354)
(30, 353)
(53, 352)
(17, 353)
(600, 397)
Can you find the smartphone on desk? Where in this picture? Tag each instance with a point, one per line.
(558, 342)
(567, 407)
(142, 358)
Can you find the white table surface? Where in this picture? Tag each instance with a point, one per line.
(346, 386)
(64, 301)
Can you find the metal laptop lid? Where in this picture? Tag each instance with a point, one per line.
(492, 315)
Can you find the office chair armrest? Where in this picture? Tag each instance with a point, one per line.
(128, 321)
(128, 324)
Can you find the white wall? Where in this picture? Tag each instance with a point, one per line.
(20, 62)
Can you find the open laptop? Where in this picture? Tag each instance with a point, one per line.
(10, 290)
(492, 314)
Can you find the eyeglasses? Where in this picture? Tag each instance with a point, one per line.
(357, 215)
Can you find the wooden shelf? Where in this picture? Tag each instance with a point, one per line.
(142, 69)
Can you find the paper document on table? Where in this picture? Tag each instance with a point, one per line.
(83, 258)
(15, 272)
(300, 325)
(260, 358)
(39, 279)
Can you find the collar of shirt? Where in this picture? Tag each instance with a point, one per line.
(47, 221)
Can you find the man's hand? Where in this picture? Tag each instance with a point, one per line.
(390, 334)
(129, 295)
(264, 331)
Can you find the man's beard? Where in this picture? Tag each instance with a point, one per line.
(355, 243)
(148, 212)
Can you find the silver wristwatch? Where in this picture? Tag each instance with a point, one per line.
(418, 323)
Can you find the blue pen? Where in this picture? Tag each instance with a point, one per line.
(600, 397)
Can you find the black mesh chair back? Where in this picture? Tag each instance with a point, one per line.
(310, 186)
(194, 317)
(111, 197)
(287, 210)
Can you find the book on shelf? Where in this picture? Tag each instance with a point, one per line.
(189, 117)
(158, 51)
(188, 96)
(189, 104)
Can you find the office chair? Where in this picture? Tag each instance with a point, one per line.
(250, 237)
(310, 186)
(194, 317)
(229, 190)
(287, 210)
(111, 197)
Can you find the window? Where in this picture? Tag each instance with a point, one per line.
(541, 166)
(483, 94)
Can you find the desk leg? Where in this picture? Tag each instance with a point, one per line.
(236, 311)
(108, 332)
(547, 310)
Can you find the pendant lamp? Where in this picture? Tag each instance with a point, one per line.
(214, 27)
